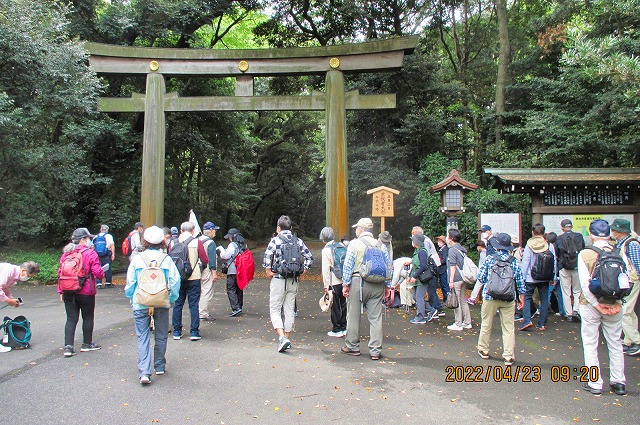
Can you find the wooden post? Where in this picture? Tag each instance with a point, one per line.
(153, 149)
(337, 178)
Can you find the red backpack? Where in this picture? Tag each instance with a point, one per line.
(127, 250)
(71, 275)
(245, 268)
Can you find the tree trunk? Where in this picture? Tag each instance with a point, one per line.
(503, 65)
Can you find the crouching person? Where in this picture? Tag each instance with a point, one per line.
(153, 284)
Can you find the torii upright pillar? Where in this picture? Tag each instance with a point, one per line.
(336, 175)
(153, 149)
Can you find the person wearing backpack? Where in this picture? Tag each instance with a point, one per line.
(600, 313)
(434, 259)
(539, 269)
(364, 290)
(502, 288)
(143, 315)
(333, 255)
(630, 250)
(104, 246)
(569, 245)
(455, 263)
(284, 260)
(235, 247)
(82, 300)
(419, 268)
(209, 273)
(190, 285)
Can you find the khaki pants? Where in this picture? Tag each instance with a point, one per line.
(206, 292)
(570, 285)
(487, 313)
(282, 301)
(372, 296)
(591, 322)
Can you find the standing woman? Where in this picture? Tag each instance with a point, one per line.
(154, 244)
(419, 264)
(84, 300)
(455, 262)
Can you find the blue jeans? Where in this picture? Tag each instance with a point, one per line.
(142, 322)
(558, 294)
(444, 283)
(543, 291)
(423, 306)
(433, 295)
(188, 289)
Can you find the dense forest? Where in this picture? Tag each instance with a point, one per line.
(492, 83)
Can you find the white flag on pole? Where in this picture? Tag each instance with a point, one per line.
(194, 220)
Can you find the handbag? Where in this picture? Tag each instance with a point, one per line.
(452, 300)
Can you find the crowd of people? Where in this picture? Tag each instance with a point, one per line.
(361, 275)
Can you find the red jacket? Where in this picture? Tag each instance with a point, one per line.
(92, 269)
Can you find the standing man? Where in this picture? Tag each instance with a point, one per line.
(630, 251)
(190, 287)
(209, 274)
(104, 246)
(532, 263)
(282, 289)
(502, 246)
(596, 314)
(569, 244)
(360, 293)
(486, 235)
(333, 283)
(136, 240)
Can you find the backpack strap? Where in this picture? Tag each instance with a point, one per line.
(147, 263)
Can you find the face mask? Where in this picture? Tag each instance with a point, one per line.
(89, 243)
(24, 278)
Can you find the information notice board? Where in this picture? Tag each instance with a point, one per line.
(503, 223)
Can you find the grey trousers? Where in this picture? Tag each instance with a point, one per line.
(371, 295)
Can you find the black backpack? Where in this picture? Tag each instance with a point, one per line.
(180, 255)
(609, 279)
(291, 263)
(543, 265)
(502, 281)
(569, 250)
(17, 332)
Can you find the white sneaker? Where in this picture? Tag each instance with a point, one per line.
(284, 344)
(145, 380)
(344, 333)
(467, 326)
(4, 349)
(454, 327)
(338, 334)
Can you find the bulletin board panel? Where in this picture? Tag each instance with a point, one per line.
(503, 223)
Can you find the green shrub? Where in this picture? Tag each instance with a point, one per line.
(48, 261)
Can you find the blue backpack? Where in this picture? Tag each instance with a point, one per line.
(100, 245)
(374, 268)
(338, 254)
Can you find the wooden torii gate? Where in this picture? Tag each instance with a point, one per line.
(245, 65)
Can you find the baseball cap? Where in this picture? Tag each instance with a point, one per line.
(485, 228)
(233, 231)
(365, 223)
(209, 225)
(566, 223)
(599, 228)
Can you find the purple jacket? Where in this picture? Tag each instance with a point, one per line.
(92, 269)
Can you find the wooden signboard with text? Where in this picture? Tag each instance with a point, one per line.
(382, 203)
